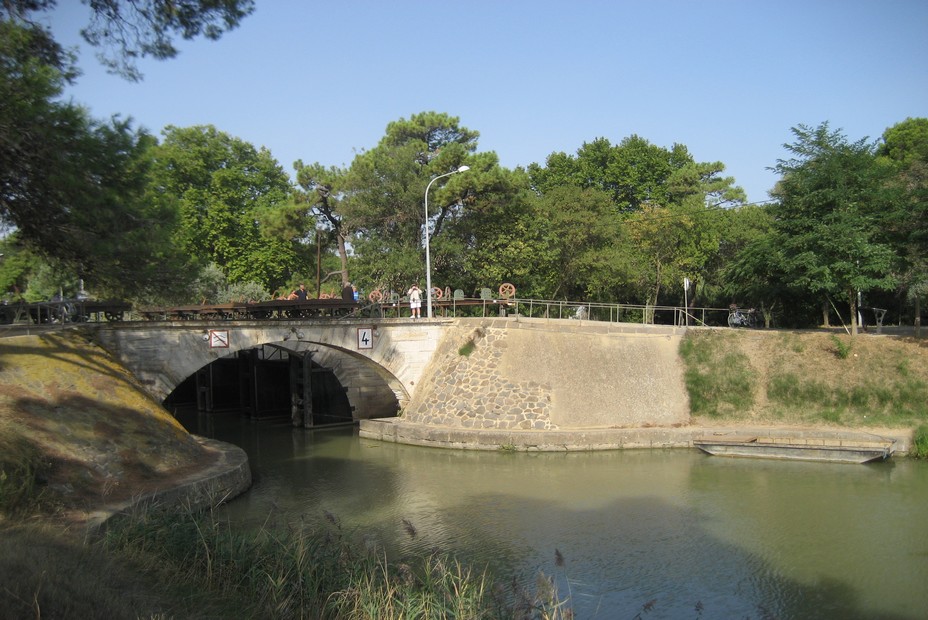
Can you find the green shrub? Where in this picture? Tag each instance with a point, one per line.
(920, 444)
(467, 348)
(842, 349)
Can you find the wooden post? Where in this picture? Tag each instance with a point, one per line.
(301, 392)
(247, 382)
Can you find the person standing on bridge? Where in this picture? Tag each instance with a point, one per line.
(415, 301)
(300, 294)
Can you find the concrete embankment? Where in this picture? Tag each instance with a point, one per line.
(535, 384)
(100, 442)
(540, 385)
(398, 430)
(534, 374)
(227, 475)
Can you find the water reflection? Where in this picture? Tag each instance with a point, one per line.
(686, 534)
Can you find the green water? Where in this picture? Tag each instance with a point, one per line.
(665, 533)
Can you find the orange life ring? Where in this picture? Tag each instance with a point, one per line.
(507, 290)
(375, 296)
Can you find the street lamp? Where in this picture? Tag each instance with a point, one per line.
(428, 264)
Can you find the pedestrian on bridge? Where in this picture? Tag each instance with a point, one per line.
(300, 293)
(415, 301)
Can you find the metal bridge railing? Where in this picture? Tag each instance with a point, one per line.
(575, 310)
(62, 312)
(617, 312)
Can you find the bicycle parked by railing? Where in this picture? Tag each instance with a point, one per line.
(750, 317)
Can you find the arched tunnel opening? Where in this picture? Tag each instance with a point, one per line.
(267, 382)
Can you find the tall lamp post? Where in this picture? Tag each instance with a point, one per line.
(428, 264)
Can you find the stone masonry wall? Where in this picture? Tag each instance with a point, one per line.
(469, 391)
(534, 374)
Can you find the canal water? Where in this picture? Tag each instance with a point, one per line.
(663, 533)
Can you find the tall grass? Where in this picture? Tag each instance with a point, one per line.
(22, 471)
(920, 443)
(313, 572)
(903, 400)
(719, 378)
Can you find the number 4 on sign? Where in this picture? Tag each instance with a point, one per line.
(365, 338)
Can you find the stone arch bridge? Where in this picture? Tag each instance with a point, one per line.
(508, 373)
(378, 363)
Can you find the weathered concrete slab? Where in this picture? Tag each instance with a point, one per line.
(398, 430)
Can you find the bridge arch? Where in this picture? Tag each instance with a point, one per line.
(379, 375)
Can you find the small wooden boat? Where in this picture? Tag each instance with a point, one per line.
(827, 449)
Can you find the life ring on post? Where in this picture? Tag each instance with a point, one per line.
(507, 290)
(437, 292)
(375, 296)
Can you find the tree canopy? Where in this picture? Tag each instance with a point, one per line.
(224, 186)
(125, 31)
(74, 188)
(831, 195)
(203, 212)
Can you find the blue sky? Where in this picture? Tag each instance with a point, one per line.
(320, 81)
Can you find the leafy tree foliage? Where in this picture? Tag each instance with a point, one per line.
(907, 142)
(746, 265)
(905, 151)
(127, 30)
(317, 205)
(831, 194)
(633, 173)
(496, 238)
(578, 231)
(386, 190)
(666, 203)
(73, 188)
(671, 242)
(211, 284)
(223, 186)
(16, 265)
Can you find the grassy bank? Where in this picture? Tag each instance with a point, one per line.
(810, 378)
(315, 570)
(77, 432)
(192, 564)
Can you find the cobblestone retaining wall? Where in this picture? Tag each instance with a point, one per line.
(467, 390)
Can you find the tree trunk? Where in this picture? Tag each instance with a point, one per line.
(343, 256)
(918, 316)
(825, 313)
(852, 298)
